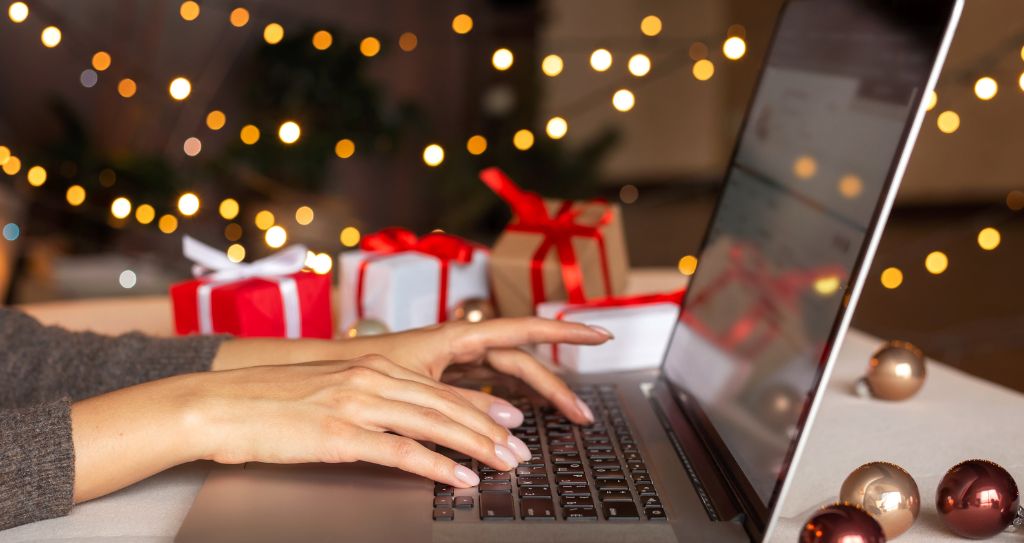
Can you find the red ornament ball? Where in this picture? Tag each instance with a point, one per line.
(976, 499)
(842, 523)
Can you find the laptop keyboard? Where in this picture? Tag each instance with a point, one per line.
(577, 473)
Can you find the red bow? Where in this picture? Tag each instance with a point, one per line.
(444, 247)
(532, 216)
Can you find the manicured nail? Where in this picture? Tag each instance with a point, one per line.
(506, 456)
(520, 448)
(505, 414)
(466, 475)
(603, 331)
(585, 409)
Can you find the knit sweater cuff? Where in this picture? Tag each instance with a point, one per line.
(37, 463)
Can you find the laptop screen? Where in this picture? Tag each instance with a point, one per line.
(839, 88)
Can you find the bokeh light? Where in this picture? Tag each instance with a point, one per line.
(523, 139)
(933, 99)
(639, 65)
(552, 65)
(629, 194)
(462, 24)
(36, 176)
(276, 237)
(145, 214)
(189, 10)
(476, 144)
(233, 231)
(249, 134)
(687, 265)
(370, 46)
(18, 12)
(1015, 200)
(236, 253)
(188, 204)
(168, 224)
(180, 88)
(264, 220)
(936, 262)
(502, 59)
(12, 165)
(850, 186)
(304, 215)
(11, 231)
(289, 132)
(192, 146)
(985, 88)
(121, 207)
(88, 78)
(948, 121)
(239, 17)
(228, 209)
(349, 236)
(805, 167)
(650, 25)
(703, 69)
(433, 155)
(601, 60)
(127, 279)
(273, 33)
(989, 238)
(101, 61)
(322, 40)
(215, 120)
(623, 100)
(892, 277)
(556, 128)
(344, 148)
(50, 37)
(126, 88)
(408, 41)
(734, 48)
(75, 195)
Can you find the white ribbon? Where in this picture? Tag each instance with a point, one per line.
(215, 269)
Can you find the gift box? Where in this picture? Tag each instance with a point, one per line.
(554, 250)
(271, 297)
(408, 282)
(642, 326)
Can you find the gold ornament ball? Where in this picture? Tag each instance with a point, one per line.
(886, 492)
(473, 310)
(367, 327)
(895, 372)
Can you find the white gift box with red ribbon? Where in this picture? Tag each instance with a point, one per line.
(407, 282)
(642, 326)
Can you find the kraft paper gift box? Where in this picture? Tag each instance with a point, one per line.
(407, 282)
(554, 250)
(271, 297)
(642, 326)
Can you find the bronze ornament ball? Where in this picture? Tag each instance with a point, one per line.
(977, 499)
(896, 371)
(473, 310)
(886, 492)
(841, 523)
(367, 327)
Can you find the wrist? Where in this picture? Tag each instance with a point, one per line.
(194, 417)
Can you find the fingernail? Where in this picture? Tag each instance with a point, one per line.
(506, 456)
(466, 475)
(602, 330)
(505, 414)
(520, 448)
(585, 409)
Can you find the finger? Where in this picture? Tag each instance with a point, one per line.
(408, 455)
(500, 410)
(469, 342)
(518, 363)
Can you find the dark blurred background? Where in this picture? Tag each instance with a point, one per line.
(377, 89)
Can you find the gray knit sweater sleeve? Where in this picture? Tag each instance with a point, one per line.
(42, 370)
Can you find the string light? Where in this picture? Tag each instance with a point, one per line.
(703, 69)
(349, 236)
(180, 88)
(1020, 82)
(344, 148)
(734, 48)
(145, 214)
(322, 40)
(989, 238)
(11, 231)
(75, 195)
(215, 120)
(189, 10)
(476, 145)
(552, 65)
(88, 78)
(433, 155)
(892, 277)
(18, 12)
(601, 60)
(107, 177)
(462, 24)
(233, 231)
(502, 59)
(650, 25)
(126, 88)
(623, 100)
(304, 215)
(127, 279)
(236, 253)
(192, 146)
(936, 262)
(167, 224)
(101, 60)
(933, 98)
(948, 121)
(249, 134)
(273, 33)
(826, 286)
(369, 47)
(239, 17)
(804, 167)
(12, 166)
(188, 204)
(407, 42)
(687, 265)
(50, 37)
(986, 88)
(1015, 200)
(289, 132)
(5, 154)
(121, 207)
(523, 139)
(556, 128)
(698, 50)
(36, 176)
(850, 186)
(639, 65)
(228, 209)
(629, 194)
(276, 237)
(264, 220)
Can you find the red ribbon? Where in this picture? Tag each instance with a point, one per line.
(558, 231)
(445, 248)
(674, 297)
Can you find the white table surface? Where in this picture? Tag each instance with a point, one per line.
(955, 417)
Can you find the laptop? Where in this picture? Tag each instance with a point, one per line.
(703, 448)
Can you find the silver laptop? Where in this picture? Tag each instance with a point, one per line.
(703, 448)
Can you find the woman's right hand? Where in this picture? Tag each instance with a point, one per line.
(366, 409)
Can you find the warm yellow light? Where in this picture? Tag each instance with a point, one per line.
(322, 39)
(989, 238)
(273, 33)
(850, 186)
(289, 132)
(236, 253)
(370, 46)
(936, 262)
(827, 285)
(216, 119)
(948, 121)
(304, 215)
(321, 263)
(1015, 200)
(168, 224)
(502, 59)
(188, 204)
(101, 61)
(1020, 82)
(462, 23)
(407, 42)
(126, 88)
(687, 265)
(986, 88)
(623, 100)
(36, 176)
(522, 139)
(476, 144)
(276, 237)
(552, 65)
(344, 148)
(601, 60)
(249, 134)
(5, 154)
(192, 146)
(233, 231)
(228, 208)
(121, 207)
(703, 69)
(264, 220)
(433, 155)
(650, 25)
(179, 88)
(933, 98)
(239, 17)
(75, 195)
(557, 128)
(18, 12)
(349, 236)
(12, 165)
(804, 167)
(51, 36)
(189, 10)
(892, 277)
(145, 214)
(734, 48)
(639, 65)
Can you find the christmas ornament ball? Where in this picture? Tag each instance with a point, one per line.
(886, 492)
(977, 499)
(896, 371)
(367, 327)
(473, 310)
(841, 523)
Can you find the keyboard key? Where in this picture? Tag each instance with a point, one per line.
(531, 470)
(500, 486)
(595, 448)
(616, 496)
(598, 456)
(600, 465)
(632, 456)
(612, 484)
(579, 514)
(629, 447)
(655, 513)
(650, 501)
(463, 502)
(496, 476)
(571, 458)
(495, 506)
(646, 489)
(569, 469)
(443, 501)
(621, 511)
(642, 480)
(608, 473)
(444, 514)
(441, 489)
(574, 501)
(534, 492)
(533, 480)
(537, 509)
(576, 479)
(564, 449)
(574, 491)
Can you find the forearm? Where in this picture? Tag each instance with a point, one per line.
(248, 352)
